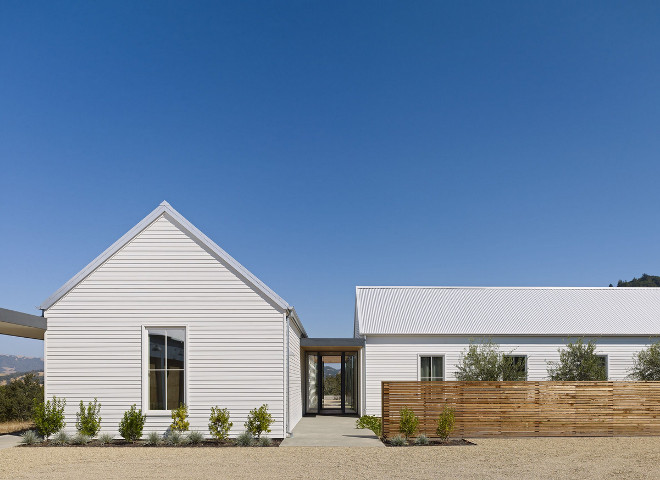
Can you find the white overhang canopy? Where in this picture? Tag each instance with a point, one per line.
(19, 324)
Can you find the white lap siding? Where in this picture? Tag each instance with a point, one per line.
(163, 277)
(396, 357)
(295, 377)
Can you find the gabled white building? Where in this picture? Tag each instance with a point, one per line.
(165, 316)
(420, 333)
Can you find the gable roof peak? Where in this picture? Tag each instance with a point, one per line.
(189, 228)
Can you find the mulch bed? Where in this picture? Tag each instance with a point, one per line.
(275, 442)
(458, 442)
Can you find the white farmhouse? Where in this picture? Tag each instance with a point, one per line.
(165, 316)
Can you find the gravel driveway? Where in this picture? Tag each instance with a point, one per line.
(491, 458)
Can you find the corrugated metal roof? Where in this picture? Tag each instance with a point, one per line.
(507, 311)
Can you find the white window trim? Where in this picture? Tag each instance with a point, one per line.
(526, 361)
(145, 368)
(419, 365)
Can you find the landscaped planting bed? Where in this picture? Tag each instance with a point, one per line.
(274, 442)
(453, 442)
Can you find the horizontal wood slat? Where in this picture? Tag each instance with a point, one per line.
(518, 409)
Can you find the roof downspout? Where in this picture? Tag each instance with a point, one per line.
(288, 387)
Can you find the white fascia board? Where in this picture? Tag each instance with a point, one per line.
(166, 209)
(293, 315)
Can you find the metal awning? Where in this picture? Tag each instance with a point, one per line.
(21, 324)
(332, 343)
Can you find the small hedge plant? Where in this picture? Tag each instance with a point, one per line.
(49, 416)
(219, 424)
(259, 421)
(88, 420)
(371, 422)
(131, 426)
(408, 423)
(445, 423)
(179, 416)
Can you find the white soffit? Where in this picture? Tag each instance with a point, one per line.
(486, 311)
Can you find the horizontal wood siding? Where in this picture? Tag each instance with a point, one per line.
(295, 377)
(485, 409)
(390, 358)
(164, 278)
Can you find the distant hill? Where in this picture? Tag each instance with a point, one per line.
(645, 280)
(10, 364)
(330, 371)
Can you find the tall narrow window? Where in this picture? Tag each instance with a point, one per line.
(431, 368)
(166, 368)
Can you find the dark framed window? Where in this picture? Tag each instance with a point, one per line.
(431, 368)
(166, 367)
(519, 363)
(605, 364)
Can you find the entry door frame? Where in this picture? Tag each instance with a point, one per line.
(320, 375)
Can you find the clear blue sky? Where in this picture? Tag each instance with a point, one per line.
(331, 144)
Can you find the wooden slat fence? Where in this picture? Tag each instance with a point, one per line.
(517, 409)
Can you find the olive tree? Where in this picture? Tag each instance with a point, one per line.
(646, 364)
(578, 361)
(485, 362)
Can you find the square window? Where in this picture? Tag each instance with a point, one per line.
(431, 368)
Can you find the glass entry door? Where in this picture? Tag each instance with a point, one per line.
(331, 382)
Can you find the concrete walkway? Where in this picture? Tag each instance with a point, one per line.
(329, 431)
(8, 441)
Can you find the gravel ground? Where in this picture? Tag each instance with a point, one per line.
(491, 458)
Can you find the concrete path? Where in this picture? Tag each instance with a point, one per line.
(8, 441)
(329, 431)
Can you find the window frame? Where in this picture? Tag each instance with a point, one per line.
(526, 357)
(607, 364)
(145, 366)
(419, 366)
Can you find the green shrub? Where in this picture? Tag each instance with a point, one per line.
(408, 423)
(259, 421)
(18, 397)
(174, 437)
(398, 441)
(245, 439)
(30, 438)
(61, 438)
(154, 438)
(219, 424)
(195, 438)
(88, 420)
(265, 442)
(80, 439)
(49, 416)
(179, 416)
(578, 362)
(646, 364)
(131, 426)
(484, 362)
(445, 423)
(371, 422)
(105, 438)
(421, 439)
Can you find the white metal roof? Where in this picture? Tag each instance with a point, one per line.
(507, 311)
(166, 209)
